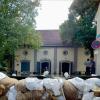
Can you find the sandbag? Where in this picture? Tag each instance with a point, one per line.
(5, 84)
(2, 90)
(11, 94)
(37, 94)
(88, 96)
(3, 93)
(8, 82)
(20, 86)
(66, 75)
(79, 83)
(20, 96)
(54, 85)
(91, 84)
(3, 97)
(30, 95)
(93, 81)
(33, 84)
(50, 96)
(46, 96)
(96, 98)
(2, 75)
(70, 91)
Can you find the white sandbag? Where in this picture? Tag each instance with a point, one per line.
(66, 75)
(34, 84)
(14, 74)
(2, 75)
(88, 96)
(11, 94)
(88, 87)
(96, 98)
(61, 81)
(46, 73)
(52, 84)
(79, 83)
(93, 81)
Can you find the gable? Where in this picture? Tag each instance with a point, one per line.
(50, 37)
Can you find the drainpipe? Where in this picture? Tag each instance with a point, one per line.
(75, 59)
(55, 60)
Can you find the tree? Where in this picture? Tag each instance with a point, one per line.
(87, 31)
(85, 35)
(17, 21)
(84, 12)
(67, 29)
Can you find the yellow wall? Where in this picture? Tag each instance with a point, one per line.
(81, 58)
(49, 56)
(97, 57)
(97, 51)
(19, 56)
(61, 56)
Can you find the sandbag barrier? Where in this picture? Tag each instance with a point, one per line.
(28, 89)
(50, 76)
(48, 88)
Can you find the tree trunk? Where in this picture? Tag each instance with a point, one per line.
(91, 53)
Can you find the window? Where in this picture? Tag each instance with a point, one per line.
(45, 52)
(65, 52)
(25, 52)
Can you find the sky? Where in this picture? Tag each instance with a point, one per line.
(52, 13)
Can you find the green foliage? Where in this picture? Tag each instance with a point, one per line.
(67, 30)
(82, 7)
(33, 38)
(84, 31)
(3, 69)
(17, 25)
(87, 31)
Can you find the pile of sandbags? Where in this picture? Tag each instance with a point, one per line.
(88, 89)
(92, 85)
(70, 91)
(35, 89)
(5, 84)
(30, 89)
(48, 89)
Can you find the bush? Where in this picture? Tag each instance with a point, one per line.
(3, 68)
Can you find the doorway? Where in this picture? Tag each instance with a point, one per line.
(45, 65)
(65, 66)
(25, 67)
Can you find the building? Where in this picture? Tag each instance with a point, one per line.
(97, 51)
(52, 56)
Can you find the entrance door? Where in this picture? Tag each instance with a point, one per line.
(65, 67)
(45, 65)
(25, 67)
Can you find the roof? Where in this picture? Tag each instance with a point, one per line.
(50, 37)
